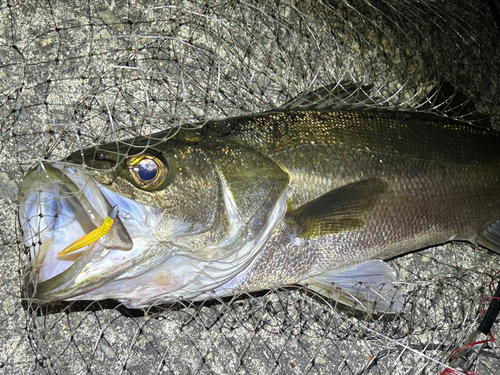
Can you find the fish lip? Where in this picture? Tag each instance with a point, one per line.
(54, 187)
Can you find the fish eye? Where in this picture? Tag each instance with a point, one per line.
(147, 169)
(148, 172)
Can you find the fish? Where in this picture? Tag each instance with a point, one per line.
(310, 193)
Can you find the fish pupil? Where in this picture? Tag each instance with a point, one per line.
(147, 169)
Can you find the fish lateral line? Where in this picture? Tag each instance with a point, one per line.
(94, 235)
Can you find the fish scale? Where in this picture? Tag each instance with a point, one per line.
(318, 198)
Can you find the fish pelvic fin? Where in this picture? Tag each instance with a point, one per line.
(345, 208)
(490, 237)
(368, 286)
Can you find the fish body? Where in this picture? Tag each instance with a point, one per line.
(309, 197)
(442, 182)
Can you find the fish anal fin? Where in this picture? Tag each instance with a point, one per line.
(368, 286)
(490, 237)
(344, 208)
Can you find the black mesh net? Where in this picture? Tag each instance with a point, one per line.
(74, 75)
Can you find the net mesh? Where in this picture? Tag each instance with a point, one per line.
(76, 75)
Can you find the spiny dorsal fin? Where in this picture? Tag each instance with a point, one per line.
(341, 96)
(341, 209)
(490, 238)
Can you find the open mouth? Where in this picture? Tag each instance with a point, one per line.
(142, 258)
(60, 204)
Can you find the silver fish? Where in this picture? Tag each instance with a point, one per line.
(293, 196)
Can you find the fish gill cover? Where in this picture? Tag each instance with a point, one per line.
(80, 75)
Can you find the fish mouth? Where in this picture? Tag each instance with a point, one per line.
(60, 203)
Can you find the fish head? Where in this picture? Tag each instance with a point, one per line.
(193, 212)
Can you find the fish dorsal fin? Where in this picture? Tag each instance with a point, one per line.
(369, 286)
(447, 100)
(490, 237)
(341, 96)
(344, 208)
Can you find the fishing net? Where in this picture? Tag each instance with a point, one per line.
(76, 74)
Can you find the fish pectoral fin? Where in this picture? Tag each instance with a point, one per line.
(490, 237)
(369, 287)
(345, 208)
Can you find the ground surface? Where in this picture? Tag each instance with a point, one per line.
(66, 70)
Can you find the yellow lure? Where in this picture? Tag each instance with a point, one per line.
(94, 235)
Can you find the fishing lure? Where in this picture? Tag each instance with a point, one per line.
(94, 235)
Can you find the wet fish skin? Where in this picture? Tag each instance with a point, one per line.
(443, 182)
(360, 187)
